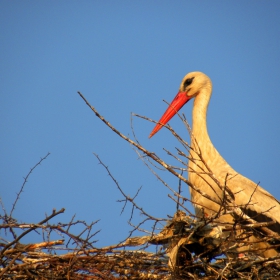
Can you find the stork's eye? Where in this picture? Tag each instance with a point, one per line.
(188, 82)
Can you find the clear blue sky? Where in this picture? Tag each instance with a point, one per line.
(127, 56)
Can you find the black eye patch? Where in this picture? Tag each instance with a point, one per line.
(188, 82)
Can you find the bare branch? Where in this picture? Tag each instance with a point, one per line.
(25, 181)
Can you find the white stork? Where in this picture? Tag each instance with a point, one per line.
(253, 200)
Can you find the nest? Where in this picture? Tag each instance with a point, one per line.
(187, 249)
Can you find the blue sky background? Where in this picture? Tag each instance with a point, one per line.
(127, 56)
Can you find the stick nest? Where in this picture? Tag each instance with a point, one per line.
(186, 249)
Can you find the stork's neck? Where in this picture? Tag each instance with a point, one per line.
(199, 117)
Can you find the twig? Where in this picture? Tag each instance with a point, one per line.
(54, 213)
(25, 181)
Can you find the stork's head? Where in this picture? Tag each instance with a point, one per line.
(193, 82)
(190, 87)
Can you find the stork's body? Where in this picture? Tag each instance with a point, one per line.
(251, 198)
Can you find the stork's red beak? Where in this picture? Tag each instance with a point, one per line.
(178, 102)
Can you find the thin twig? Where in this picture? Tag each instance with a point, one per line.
(25, 181)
